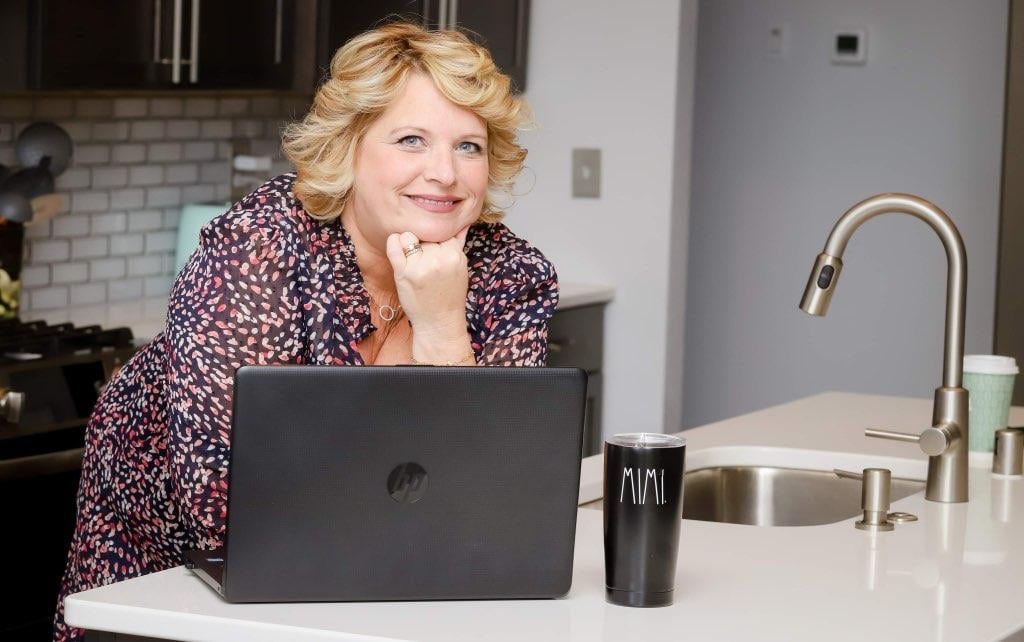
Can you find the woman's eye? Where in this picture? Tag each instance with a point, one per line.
(470, 147)
(410, 141)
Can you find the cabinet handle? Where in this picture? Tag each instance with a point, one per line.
(426, 14)
(278, 29)
(442, 17)
(157, 24)
(520, 35)
(193, 73)
(176, 45)
(453, 19)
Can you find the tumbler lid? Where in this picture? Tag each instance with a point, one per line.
(646, 440)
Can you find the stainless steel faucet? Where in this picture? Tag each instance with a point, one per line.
(946, 441)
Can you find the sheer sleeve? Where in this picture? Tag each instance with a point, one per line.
(232, 305)
(516, 322)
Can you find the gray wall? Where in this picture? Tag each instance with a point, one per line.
(783, 145)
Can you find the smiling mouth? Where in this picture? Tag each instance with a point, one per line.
(436, 205)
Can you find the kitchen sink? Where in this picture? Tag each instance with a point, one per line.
(757, 494)
(769, 496)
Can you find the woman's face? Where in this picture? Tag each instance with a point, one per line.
(421, 167)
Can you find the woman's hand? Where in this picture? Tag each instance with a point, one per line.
(432, 285)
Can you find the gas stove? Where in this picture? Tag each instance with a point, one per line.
(50, 378)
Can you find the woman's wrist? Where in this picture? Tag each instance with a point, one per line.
(439, 349)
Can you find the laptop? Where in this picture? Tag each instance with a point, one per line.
(400, 483)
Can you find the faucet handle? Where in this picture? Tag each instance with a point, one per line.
(934, 440)
(874, 497)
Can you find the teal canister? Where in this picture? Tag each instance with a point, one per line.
(989, 380)
(193, 217)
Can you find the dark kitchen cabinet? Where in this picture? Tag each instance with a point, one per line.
(576, 339)
(159, 44)
(500, 25)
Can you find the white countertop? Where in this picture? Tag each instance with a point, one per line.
(575, 295)
(957, 574)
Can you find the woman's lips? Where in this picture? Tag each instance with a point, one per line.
(434, 204)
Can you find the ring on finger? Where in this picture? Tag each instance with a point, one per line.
(411, 249)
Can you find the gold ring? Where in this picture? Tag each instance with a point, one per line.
(411, 249)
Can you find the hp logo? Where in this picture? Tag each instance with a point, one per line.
(407, 483)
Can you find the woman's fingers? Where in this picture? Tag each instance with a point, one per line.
(395, 254)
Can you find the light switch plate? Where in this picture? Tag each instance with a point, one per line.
(586, 173)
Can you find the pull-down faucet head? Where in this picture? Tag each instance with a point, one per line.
(946, 440)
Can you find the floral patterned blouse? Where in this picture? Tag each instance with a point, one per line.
(268, 285)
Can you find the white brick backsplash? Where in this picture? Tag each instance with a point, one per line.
(247, 128)
(110, 131)
(79, 131)
(35, 276)
(179, 174)
(107, 269)
(215, 129)
(266, 105)
(158, 285)
(53, 108)
(183, 128)
(91, 247)
(110, 223)
(223, 192)
(74, 178)
(124, 289)
(145, 265)
(50, 251)
(128, 153)
(161, 241)
(71, 273)
(130, 107)
(38, 230)
(148, 130)
(146, 175)
(121, 244)
(163, 196)
(224, 151)
(89, 294)
(166, 106)
(162, 152)
(48, 298)
(91, 154)
(202, 107)
(127, 199)
(233, 106)
(172, 218)
(197, 193)
(71, 225)
(145, 221)
(110, 177)
(16, 108)
(215, 172)
(200, 151)
(90, 201)
(94, 108)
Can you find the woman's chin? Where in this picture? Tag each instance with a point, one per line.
(436, 231)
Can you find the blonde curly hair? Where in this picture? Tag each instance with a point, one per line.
(366, 74)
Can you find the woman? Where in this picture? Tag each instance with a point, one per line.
(383, 248)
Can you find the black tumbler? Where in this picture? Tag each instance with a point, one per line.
(643, 512)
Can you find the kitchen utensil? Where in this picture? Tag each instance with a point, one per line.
(15, 207)
(31, 182)
(643, 512)
(39, 140)
(44, 208)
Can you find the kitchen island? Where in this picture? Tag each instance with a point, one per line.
(956, 574)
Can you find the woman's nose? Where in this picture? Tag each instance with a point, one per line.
(440, 167)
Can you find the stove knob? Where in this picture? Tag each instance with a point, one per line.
(10, 405)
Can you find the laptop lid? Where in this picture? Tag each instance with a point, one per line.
(403, 483)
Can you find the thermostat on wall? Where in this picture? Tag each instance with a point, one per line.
(850, 47)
